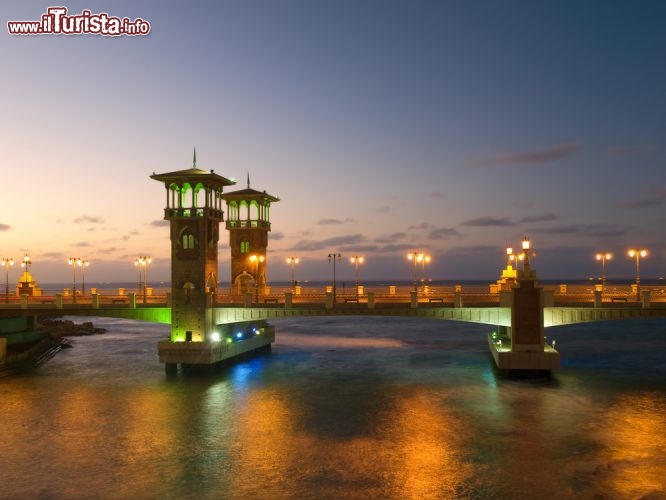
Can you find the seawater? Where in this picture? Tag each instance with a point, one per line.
(391, 408)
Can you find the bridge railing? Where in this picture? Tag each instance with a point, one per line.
(440, 296)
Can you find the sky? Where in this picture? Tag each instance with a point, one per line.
(385, 127)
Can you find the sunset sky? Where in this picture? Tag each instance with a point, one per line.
(383, 126)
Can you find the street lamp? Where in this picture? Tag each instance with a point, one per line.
(603, 257)
(332, 257)
(513, 257)
(356, 260)
(7, 263)
(74, 261)
(142, 263)
(26, 262)
(293, 261)
(84, 263)
(256, 259)
(416, 258)
(509, 256)
(638, 253)
(526, 248)
(425, 259)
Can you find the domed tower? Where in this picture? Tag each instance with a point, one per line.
(194, 208)
(248, 222)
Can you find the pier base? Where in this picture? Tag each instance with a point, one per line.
(546, 358)
(236, 342)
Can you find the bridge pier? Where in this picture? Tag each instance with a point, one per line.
(288, 299)
(58, 301)
(94, 298)
(132, 300)
(457, 300)
(413, 299)
(329, 300)
(521, 347)
(371, 300)
(645, 299)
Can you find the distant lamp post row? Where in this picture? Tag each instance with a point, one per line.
(142, 263)
(638, 253)
(82, 263)
(7, 263)
(419, 258)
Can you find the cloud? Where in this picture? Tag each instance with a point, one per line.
(330, 222)
(593, 230)
(109, 250)
(159, 223)
(483, 251)
(539, 218)
(386, 210)
(53, 256)
(391, 238)
(423, 225)
(359, 248)
(395, 248)
(5, 227)
(653, 200)
(443, 233)
(310, 245)
(82, 244)
(86, 219)
(531, 158)
(487, 221)
(277, 236)
(436, 195)
(625, 151)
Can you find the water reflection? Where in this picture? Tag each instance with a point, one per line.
(418, 414)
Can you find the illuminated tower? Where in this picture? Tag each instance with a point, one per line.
(194, 209)
(248, 222)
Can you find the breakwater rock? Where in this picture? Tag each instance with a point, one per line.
(67, 328)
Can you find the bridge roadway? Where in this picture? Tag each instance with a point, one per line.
(482, 309)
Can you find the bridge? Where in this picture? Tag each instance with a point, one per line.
(578, 304)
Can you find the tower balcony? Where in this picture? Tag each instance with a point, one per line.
(254, 224)
(178, 213)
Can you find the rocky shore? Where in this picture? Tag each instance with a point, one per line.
(59, 328)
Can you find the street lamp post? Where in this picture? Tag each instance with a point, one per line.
(356, 260)
(332, 257)
(74, 261)
(638, 253)
(142, 263)
(425, 259)
(525, 244)
(293, 261)
(7, 263)
(26, 262)
(416, 258)
(256, 259)
(603, 257)
(84, 263)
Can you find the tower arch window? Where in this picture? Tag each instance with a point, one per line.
(244, 246)
(188, 241)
